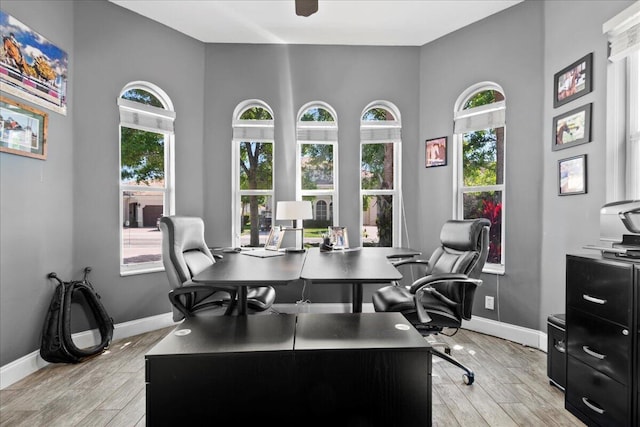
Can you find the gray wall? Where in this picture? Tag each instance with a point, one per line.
(286, 78)
(507, 49)
(113, 48)
(36, 202)
(61, 214)
(570, 222)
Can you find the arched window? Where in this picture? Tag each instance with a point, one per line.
(252, 180)
(317, 163)
(380, 186)
(146, 174)
(479, 156)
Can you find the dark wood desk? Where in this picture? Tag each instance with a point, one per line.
(362, 369)
(240, 270)
(227, 371)
(359, 266)
(311, 369)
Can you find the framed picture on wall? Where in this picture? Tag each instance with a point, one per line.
(435, 152)
(32, 67)
(572, 175)
(23, 129)
(572, 128)
(573, 81)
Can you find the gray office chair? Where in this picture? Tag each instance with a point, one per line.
(444, 296)
(185, 254)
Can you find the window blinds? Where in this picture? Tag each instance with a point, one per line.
(623, 31)
(380, 132)
(253, 130)
(145, 117)
(484, 117)
(317, 132)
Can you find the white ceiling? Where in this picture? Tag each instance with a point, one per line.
(337, 22)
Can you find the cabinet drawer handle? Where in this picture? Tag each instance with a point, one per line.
(560, 347)
(591, 406)
(590, 352)
(594, 300)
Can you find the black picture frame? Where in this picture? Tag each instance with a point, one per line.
(435, 152)
(572, 128)
(572, 175)
(573, 81)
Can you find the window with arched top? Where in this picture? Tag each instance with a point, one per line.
(479, 158)
(317, 163)
(380, 185)
(146, 174)
(252, 181)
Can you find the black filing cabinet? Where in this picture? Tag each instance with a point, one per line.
(557, 350)
(602, 340)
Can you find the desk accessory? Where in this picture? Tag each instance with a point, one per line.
(294, 211)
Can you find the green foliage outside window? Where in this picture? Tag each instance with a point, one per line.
(256, 171)
(141, 152)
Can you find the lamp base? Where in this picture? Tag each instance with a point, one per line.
(294, 250)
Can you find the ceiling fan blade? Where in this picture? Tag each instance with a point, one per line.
(306, 7)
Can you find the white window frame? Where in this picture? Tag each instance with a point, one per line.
(258, 131)
(141, 116)
(380, 132)
(623, 106)
(312, 132)
(479, 118)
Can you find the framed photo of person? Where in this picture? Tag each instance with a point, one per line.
(572, 175)
(275, 238)
(338, 237)
(572, 128)
(436, 152)
(573, 81)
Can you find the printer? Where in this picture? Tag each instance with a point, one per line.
(620, 230)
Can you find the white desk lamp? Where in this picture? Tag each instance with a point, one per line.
(295, 211)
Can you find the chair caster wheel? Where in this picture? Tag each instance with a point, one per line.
(447, 350)
(468, 378)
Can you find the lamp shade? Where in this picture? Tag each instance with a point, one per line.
(294, 210)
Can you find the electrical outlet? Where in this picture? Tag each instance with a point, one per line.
(488, 303)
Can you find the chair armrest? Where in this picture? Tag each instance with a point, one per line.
(190, 291)
(397, 263)
(424, 285)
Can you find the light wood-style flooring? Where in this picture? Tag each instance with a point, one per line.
(511, 388)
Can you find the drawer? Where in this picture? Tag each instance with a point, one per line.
(600, 398)
(601, 288)
(604, 346)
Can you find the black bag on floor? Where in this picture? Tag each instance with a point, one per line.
(56, 344)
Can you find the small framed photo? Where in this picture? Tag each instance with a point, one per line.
(339, 237)
(435, 152)
(573, 81)
(23, 129)
(572, 175)
(275, 238)
(572, 128)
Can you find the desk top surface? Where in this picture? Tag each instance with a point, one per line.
(238, 269)
(361, 265)
(287, 332)
(350, 331)
(229, 334)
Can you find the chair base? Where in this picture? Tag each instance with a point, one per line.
(468, 377)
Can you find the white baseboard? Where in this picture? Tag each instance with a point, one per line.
(525, 336)
(26, 365)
